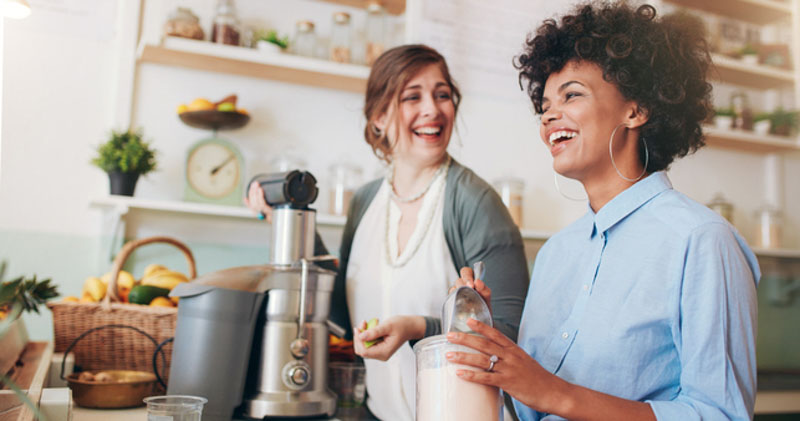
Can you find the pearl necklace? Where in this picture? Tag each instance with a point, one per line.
(445, 165)
(406, 257)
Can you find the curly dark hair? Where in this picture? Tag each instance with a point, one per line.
(661, 64)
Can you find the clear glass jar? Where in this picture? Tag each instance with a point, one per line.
(374, 31)
(511, 190)
(341, 38)
(185, 24)
(287, 161)
(344, 179)
(721, 206)
(441, 393)
(769, 227)
(305, 40)
(226, 28)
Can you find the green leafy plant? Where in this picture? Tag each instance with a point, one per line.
(125, 152)
(761, 117)
(29, 293)
(748, 49)
(784, 122)
(724, 112)
(272, 36)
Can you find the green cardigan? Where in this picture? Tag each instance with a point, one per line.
(477, 227)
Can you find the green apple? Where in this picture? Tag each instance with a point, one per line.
(226, 106)
(370, 324)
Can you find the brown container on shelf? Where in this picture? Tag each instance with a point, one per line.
(111, 349)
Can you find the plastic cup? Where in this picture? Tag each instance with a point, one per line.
(174, 408)
(347, 381)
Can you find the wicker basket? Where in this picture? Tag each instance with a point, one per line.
(108, 349)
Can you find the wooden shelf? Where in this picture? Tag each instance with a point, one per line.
(749, 141)
(125, 202)
(395, 7)
(754, 11)
(202, 55)
(734, 71)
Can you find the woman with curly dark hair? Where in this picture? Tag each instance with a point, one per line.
(645, 308)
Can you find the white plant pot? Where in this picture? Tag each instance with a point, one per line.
(268, 47)
(761, 127)
(750, 59)
(723, 122)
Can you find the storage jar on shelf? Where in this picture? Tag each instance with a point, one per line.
(374, 30)
(344, 179)
(305, 40)
(511, 189)
(226, 28)
(341, 38)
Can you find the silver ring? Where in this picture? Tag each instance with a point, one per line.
(492, 361)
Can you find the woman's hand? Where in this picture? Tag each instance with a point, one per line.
(390, 334)
(256, 202)
(515, 371)
(468, 279)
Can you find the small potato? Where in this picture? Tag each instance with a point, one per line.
(103, 377)
(86, 376)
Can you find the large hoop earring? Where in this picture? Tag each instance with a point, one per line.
(558, 188)
(611, 154)
(375, 130)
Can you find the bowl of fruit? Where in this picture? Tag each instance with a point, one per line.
(221, 115)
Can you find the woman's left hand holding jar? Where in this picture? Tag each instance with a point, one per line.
(516, 372)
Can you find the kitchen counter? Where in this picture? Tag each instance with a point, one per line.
(767, 402)
(140, 414)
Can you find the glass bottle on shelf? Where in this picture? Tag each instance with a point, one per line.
(340, 44)
(226, 28)
(305, 40)
(721, 206)
(374, 32)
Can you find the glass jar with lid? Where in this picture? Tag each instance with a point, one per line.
(344, 179)
(374, 31)
(721, 206)
(305, 40)
(340, 44)
(185, 24)
(511, 189)
(226, 28)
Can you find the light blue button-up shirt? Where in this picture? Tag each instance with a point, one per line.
(653, 298)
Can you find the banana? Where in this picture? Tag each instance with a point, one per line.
(167, 279)
(94, 288)
(153, 268)
(124, 280)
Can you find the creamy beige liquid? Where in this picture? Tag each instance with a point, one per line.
(443, 396)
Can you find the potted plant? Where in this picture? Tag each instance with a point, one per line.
(723, 118)
(125, 156)
(16, 296)
(784, 122)
(269, 40)
(762, 123)
(749, 54)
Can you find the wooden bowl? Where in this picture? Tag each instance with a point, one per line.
(214, 120)
(126, 389)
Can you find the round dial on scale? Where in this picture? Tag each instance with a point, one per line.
(213, 169)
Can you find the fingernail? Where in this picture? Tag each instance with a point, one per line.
(449, 355)
(452, 335)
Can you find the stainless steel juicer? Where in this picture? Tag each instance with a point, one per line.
(254, 339)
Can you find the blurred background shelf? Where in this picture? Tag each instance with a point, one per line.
(749, 141)
(395, 7)
(731, 70)
(202, 55)
(753, 11)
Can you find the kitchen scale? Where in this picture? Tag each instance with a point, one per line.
(214, 170)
